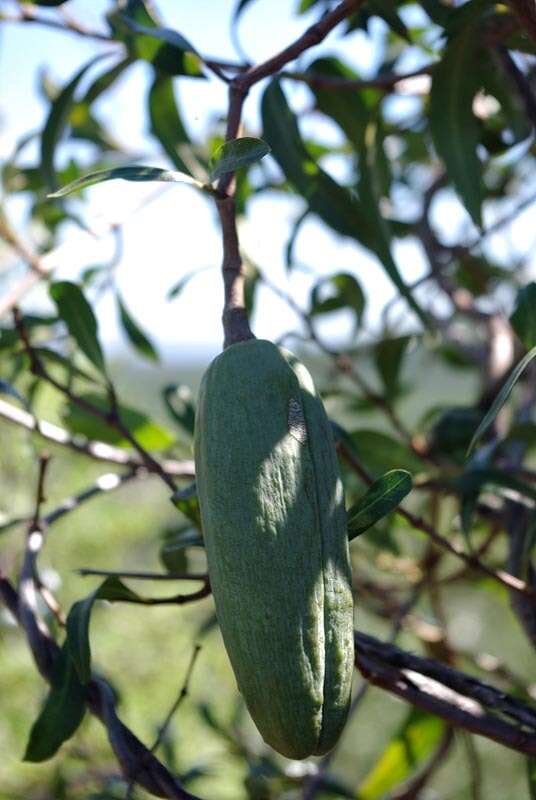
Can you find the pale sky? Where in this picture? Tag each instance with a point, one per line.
(177, 233)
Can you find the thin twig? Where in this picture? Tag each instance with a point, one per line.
(173, 710)
(507, 580)
(146, 576)
(100, 451)
(111, 418)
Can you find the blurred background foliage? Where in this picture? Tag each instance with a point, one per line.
(428, 155)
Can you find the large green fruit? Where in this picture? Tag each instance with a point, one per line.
(274, 523)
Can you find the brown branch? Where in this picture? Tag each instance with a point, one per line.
(454, 696)
(235, 319)
(235, 323)
(385, 82)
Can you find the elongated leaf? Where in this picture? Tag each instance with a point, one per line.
(106, 80)
(370, 195)
(173, 553)
(166, 122)
(146, 432)
(454, 127)
(343, 291)
(61, 714)
(289, 249)
(388, 358)
(381, 499)
(138, 339)
(411, 745)
(79, 618)
(350, 110)
(333, 203)
(167, 35)
(179, 402)
(56, 122)
(134, 173)
(523, 320)
(145, 38)
(77, 314)
(235, 154)
(77, 629)
(501, 398)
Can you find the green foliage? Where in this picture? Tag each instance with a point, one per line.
(365, 158)
(383, 496)
(62, 712)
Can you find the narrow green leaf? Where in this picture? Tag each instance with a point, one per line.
(350, 110)
(388, 358)
(106, 81)
(135, 335)
(235, 154)
(61, 714)
(134, 173)
(56, 122)
(177, 288)
(77, 629)
(380, 499)
(173, 553)
(169, 51)
(179, 402)
(331, 202)
(335, 205)
(79, 618)
(411, 745)
(336, 292)
(454, 127)
(291, 243)
(370, 194)
(523, 320)
(167, 35)
(81, 322)
(501, 398)
(166, 122)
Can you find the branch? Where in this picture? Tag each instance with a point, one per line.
(100, 451)
(385, 82)
(235, 321)
(509, 581)
(454, 696)
(138, 763)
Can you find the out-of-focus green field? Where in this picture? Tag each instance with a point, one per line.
(145, 651)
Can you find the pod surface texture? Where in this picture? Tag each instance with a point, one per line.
(274, 523)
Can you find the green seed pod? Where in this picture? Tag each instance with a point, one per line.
(274, 523)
